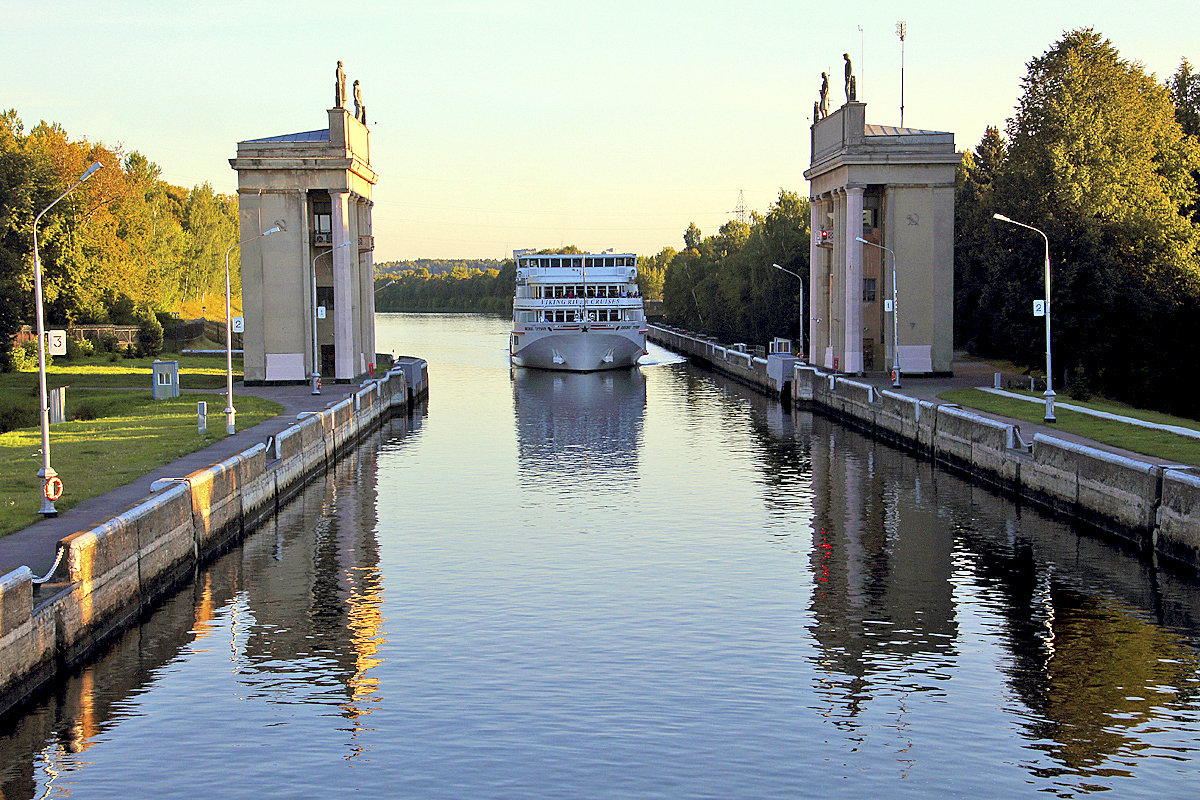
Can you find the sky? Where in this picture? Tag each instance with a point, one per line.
(505, 125)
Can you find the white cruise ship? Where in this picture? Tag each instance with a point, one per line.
(577, 312)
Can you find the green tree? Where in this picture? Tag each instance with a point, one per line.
(1097, 159)
(724, 284)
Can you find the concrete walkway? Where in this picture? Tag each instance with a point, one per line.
(36, 545)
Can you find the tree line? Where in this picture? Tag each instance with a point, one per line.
(462, 287)
(122, 246)
(434, 266)
(725, 285)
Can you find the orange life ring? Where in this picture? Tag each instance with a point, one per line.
(53, 488)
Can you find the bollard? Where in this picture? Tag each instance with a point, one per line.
(202, 417)
(996, 380)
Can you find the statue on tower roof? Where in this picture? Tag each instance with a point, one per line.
(339, 88)
(360, 111)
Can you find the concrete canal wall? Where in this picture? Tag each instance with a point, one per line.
(111, 573)
(1152, 506)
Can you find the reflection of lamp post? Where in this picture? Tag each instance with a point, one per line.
(1049, 395)
(803, 312)
(47, 474)
(316, 373)
(895, 316)
(229, 412)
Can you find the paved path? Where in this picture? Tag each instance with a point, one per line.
(1191, 433)
(36, 545)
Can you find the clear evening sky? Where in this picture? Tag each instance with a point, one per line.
(501, 125)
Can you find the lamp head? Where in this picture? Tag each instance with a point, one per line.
(776, 266)
(92, 170)
(860, 239)
(276, 229)
(1001, 217)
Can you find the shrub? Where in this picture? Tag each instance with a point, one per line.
(13, 417)
(150, 336)
(109, 342)
(85, 411)
(79, 348)
(25, 357)
(1081, 384)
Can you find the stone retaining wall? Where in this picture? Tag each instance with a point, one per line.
(1149, 505)
(114, 571)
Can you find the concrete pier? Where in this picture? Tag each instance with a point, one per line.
(1151, 506)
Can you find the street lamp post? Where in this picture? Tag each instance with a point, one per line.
(1049, 395)
(229, 412)
(803, 310)
(46, 473)
(895, 315)
(316, 372)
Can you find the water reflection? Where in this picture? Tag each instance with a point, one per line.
(657, 585)
(882, 602)
(578, 431)
(294, 614)
(1095, 665)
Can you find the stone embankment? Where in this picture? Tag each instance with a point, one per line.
(108, 575)
(1153, 506)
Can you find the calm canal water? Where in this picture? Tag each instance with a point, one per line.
(649, 584)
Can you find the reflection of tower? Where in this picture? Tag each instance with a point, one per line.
(317, 592)
(882, 562)
(579, 429)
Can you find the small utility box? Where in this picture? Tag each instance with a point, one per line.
(166, 379)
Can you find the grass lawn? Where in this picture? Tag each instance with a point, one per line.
(195, 372)
(136, 435)
(1161, 445)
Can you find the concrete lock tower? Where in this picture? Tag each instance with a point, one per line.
(319, 184)
(894, 188)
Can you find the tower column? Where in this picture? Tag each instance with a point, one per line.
(852, 314)
(816, 292)
(344, 261)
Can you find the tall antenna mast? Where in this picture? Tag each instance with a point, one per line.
(862, 56)
(901, 29)
(741, 207)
